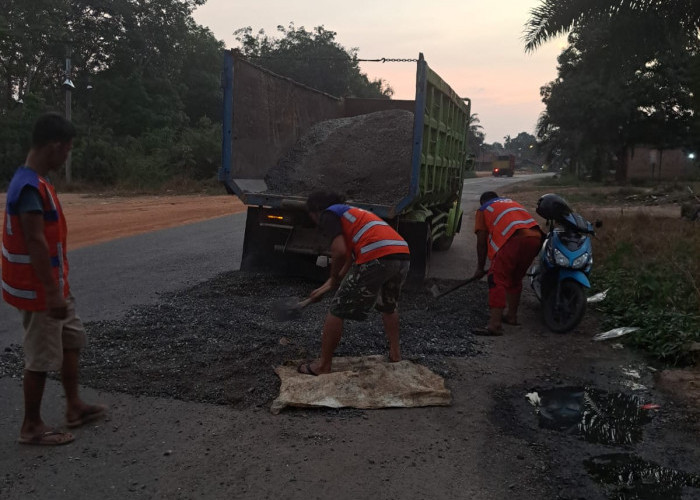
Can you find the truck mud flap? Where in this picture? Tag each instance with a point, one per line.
(418, 236)
(259, 254)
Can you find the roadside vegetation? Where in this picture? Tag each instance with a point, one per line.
(144, 85)
(650, 267)
(646, 256)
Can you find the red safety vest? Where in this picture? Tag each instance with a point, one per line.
(367, 236)
(20, 285)
(503, 217)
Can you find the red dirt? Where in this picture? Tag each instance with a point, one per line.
(95, 219)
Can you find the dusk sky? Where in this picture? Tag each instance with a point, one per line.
(475, 46)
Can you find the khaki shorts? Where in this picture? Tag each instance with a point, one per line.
(45, 338)
(375, 283)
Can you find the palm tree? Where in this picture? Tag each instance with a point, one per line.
(556, 17)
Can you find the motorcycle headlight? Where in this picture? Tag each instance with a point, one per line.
(560, 259)
(580, 261)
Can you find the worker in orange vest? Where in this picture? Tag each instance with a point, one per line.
(35, 281)
(372, 261)
(510, 237)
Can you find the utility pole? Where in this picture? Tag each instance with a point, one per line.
(68, 86)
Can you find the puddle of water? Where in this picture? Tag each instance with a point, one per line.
(597, 416)
(635, 479)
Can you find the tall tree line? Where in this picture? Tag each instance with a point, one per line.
(146, 77)
(146, 86)
(629, 76)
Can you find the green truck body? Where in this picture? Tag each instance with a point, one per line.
(265, 114)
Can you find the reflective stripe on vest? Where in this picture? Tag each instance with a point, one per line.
(22, 294)
(368, 237)
(503, 217)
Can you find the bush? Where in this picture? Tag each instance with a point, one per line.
(651, 268)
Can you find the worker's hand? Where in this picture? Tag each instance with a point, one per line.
(56, 305)
(479, 273)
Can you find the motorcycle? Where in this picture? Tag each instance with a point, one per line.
(560, 272)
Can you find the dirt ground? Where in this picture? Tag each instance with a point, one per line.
(95, 219)
(186, 426)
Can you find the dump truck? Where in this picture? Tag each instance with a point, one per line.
(265, 115)
(503, 165)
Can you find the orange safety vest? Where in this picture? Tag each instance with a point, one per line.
(503, 217)
(367, 236)
(20, 285)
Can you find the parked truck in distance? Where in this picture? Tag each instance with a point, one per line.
(503, 165)
(264, 117)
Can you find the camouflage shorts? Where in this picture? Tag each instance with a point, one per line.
(375, 283)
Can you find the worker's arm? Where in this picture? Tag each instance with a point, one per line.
(482, 241)
(38, 249)
(340, 263)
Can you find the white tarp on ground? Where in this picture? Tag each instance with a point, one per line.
(362, 382)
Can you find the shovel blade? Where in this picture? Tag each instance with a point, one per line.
(286, 309)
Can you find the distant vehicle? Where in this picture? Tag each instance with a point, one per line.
(503, 165)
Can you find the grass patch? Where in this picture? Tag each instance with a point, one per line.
(650, 266)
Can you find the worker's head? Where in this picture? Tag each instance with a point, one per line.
(318, 201)
(487, 196)
(52, 138)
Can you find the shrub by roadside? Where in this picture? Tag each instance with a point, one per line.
(651, 267)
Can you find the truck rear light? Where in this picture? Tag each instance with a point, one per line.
(277, 219)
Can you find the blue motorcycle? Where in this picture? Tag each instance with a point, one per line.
(560, 272)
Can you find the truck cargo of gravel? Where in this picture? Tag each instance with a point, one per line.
(401, 159)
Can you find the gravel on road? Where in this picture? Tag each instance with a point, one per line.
(218, 342)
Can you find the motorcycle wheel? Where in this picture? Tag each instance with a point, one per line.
(564, 314)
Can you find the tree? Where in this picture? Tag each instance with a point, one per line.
(312, 58)
(154, 75)
(624, 79)
(476, 135)
(556, 17)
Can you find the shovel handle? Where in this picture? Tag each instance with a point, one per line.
(459, 285)
(304, 303)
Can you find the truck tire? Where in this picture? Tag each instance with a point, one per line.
(443, 243)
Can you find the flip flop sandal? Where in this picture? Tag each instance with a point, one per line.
(305, 369)
(49, 438)
(506, 321)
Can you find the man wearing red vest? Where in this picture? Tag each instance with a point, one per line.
(511, 238)
(35, 281)
(372, 261)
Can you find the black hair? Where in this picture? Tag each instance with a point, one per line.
(487, 196)
(318, 201)
(52, 127)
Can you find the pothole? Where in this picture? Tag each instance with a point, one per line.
(597, 416)
(633, 478)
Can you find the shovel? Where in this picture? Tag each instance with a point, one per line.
(288, 309)
(437, 293)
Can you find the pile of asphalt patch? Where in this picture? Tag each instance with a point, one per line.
(366, 158)
(218, 342)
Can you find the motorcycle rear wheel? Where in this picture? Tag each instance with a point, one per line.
(565, 313)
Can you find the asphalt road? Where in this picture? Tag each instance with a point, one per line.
(109, 278)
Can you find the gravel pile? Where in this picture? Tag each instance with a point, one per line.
(367, 158)
(218, 342)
